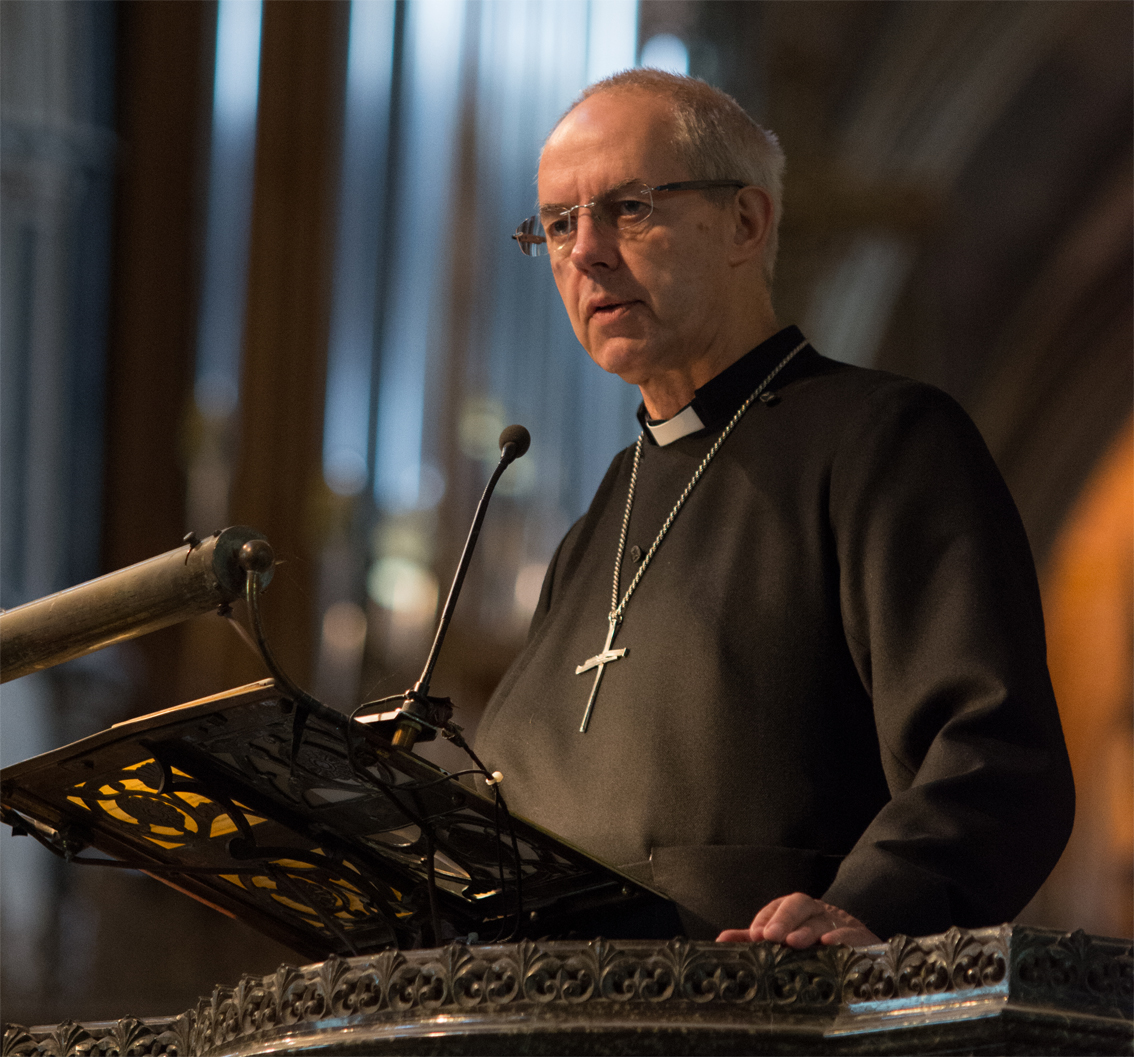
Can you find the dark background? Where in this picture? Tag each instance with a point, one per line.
(958, 209)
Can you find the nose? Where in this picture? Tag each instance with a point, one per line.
(596, 244)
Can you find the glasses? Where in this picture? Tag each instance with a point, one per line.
(626, 209)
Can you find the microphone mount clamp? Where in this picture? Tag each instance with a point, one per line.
(420, 718)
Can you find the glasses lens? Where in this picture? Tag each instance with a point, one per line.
(625, 208)
(559, 226)
(529, 237)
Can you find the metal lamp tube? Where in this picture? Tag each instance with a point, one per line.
(182, 583)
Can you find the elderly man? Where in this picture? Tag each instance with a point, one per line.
(789, 667)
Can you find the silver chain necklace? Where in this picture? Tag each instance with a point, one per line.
(608, 655)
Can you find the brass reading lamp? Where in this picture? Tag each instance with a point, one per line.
(190, 580)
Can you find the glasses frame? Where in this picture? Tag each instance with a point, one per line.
(530, 242)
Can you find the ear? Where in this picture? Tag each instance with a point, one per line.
(752, 220)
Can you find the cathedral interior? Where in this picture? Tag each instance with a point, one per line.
(257, 270)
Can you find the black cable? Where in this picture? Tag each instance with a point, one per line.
(277, 874)
(457, 739)
(141, 866)
(298, 695)
(261, 868)
(431, 888)
(416, 786)
(385, 788)
(499, 937)
(305, 703)
(454, 735)
(236, 815)
(423, 826)
(164, 868)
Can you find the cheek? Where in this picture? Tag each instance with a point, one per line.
(569, 295)
(691, 291)
(563, 285)
(664, 271)
(674, 293)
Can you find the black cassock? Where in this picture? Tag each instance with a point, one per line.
(835, 679)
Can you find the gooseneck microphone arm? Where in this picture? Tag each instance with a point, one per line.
(514, 442)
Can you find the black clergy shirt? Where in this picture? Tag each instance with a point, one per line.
(835, 679)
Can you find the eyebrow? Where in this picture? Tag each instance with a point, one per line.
(562, 207)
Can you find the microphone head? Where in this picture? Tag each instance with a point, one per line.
(518, 437)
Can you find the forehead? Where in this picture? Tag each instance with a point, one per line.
(605, 141)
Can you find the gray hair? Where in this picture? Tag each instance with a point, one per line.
(713, 137)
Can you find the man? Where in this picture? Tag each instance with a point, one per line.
(795, 676)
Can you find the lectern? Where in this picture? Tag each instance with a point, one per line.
(310, 827)
(436, 921)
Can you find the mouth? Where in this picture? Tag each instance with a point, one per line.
(609, 309)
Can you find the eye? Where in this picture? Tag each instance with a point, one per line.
(630, 209)
(559, 226)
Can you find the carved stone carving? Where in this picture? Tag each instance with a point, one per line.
(1086, 973)
(823, 1000)
(154, 1037)
(911, 968)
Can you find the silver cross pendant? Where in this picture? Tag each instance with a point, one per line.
(600, 661)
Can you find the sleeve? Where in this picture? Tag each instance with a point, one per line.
(943, 619)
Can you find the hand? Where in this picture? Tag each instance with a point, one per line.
(800, 921)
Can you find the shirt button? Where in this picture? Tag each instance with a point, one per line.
(635, 553)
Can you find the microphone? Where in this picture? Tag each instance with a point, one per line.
(419, 712)
(514, 443)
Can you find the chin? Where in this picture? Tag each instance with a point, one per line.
(630, 361)
(631, 372)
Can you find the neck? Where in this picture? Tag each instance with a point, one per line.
(669, 391)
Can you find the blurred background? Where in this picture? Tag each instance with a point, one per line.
(256, 269)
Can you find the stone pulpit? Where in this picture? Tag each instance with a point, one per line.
(1006, 990)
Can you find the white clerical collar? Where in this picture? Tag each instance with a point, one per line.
(681, 425)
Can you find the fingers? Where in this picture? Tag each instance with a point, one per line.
(735, 936)
(800, 921)
(768, 912)
(755, 932)
(797, 920)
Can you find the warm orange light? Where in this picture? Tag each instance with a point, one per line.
(1088, 593)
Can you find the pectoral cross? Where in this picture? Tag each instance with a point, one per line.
(600, 661)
